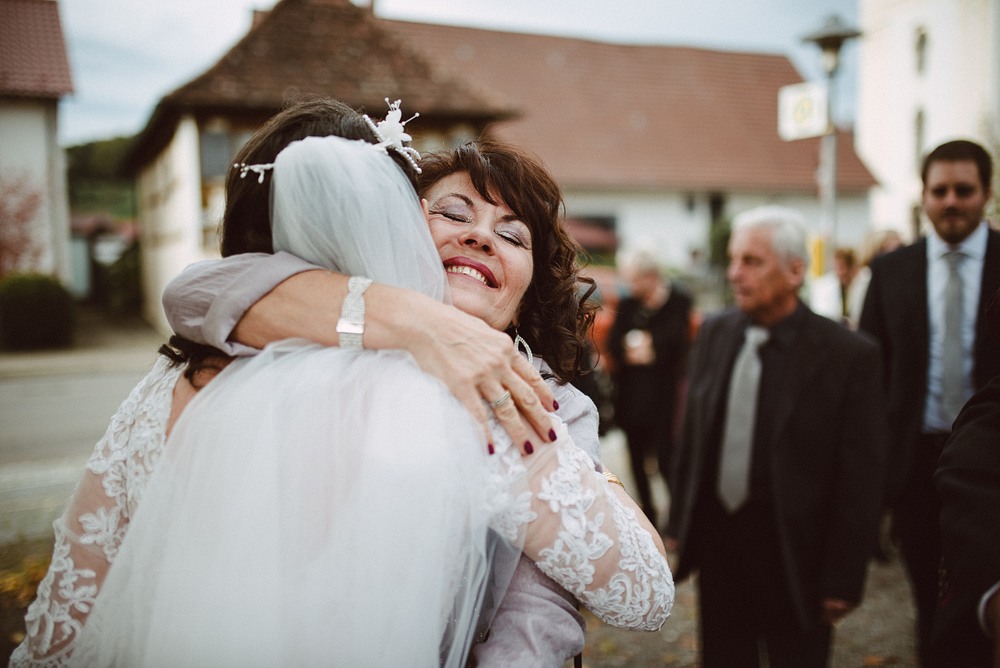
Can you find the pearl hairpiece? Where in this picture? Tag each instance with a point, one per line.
(390, 133)
(257, 169)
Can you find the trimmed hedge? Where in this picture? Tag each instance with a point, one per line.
(36, 311)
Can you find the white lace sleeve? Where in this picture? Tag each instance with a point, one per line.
(90, 530)
(587, 540)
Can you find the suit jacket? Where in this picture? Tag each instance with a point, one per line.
(968, 480)
(826, 461)
(896, 314)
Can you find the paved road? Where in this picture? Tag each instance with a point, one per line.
(878, 633)
(50, 426)
(54, 406)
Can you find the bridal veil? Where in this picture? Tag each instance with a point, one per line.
(316, 506)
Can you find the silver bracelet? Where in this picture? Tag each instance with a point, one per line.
(351, 325)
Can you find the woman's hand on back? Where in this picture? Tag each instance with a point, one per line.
(479, 365)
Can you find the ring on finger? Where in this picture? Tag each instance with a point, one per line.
(501, 400)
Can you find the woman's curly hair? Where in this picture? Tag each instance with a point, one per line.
(556, 312)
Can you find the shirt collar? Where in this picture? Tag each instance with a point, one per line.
(783, 333)
(973, 246)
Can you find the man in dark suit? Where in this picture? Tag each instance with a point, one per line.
(924, 306)
(775, 499)
(966, 631)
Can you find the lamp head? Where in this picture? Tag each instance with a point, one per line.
(829, 38)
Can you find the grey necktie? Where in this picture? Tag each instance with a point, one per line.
(953, 352)
(741, 416)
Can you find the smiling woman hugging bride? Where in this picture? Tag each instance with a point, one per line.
(322, 505)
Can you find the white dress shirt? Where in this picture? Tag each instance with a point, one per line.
(973, 247)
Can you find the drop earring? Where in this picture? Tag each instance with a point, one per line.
(519, 343)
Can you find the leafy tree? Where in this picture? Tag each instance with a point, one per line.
(96, 181)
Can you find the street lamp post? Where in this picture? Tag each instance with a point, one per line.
(830, 38)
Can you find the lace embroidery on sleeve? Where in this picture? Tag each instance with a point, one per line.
(601, 555)
(90, 531)
(580, 534)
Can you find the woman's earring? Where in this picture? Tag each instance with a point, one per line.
(519, 342)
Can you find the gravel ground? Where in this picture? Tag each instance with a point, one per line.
(878, 633)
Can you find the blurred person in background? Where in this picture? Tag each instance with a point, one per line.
(648, 345)
(876, 244)
(925, 306)
(830, 295)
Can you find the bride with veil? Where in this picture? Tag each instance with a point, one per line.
(328, 505)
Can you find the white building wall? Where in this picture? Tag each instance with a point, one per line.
(957, 93)
(666, 225)
(29, 151)
(169, 203)
(658, 222)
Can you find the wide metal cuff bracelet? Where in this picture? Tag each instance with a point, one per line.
(351, 325)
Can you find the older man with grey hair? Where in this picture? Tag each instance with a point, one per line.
(777, 484)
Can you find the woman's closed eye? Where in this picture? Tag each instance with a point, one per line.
(456, 216)
(514, 235)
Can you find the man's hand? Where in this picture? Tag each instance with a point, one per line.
(639, 349)
(834, 609)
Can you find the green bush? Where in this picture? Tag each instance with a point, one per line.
(36, 311)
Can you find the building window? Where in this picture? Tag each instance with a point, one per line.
(597, 234)
(216, 154)
(718, 230)
(916, 221)
(919, 133)
(921, 50)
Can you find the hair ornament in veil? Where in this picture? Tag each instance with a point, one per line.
(256, 169)
(391, 133)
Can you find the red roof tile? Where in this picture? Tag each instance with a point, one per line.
(607, 115)
(33, 59)
(600, 115)
(320, 47)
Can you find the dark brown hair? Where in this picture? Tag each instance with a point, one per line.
(556, 312)
(246, 223)
(961, 150)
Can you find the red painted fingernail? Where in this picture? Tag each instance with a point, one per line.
(528, 447)
(555, 405)
(492, 450)
(552, 434)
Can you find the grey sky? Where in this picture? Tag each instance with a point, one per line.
(125, 55)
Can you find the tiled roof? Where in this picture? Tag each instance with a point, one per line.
(607, 115)
(600, 115)
(320, 47)
(33, 61)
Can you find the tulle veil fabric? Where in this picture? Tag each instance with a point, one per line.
(315, 506)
